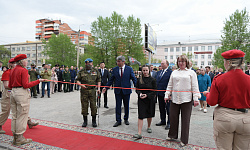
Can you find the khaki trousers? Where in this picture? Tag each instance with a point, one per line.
(231, 129)
(20, 104)
(5, 106)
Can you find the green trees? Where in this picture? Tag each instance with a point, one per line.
(60, 49)
(114, 36)
(4, 55)
(236, 35)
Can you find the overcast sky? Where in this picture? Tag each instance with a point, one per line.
(173, 20)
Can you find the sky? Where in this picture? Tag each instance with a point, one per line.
(172, 20)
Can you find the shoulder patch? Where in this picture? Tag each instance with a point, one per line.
(217, 76)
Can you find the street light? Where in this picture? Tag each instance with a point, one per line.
(77, 57)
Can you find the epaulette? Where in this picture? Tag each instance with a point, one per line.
(217, 76)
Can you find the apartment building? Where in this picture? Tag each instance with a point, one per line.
(46, 27)
(33, 50)
(201, 51)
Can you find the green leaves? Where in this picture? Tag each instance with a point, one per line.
(236, 35)
(114, 36)
(59, 49)
(4, 55)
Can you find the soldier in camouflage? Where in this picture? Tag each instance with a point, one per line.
(33, 77)
(91, 76)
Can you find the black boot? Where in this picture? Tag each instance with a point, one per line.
(94, 121)
(85, 123)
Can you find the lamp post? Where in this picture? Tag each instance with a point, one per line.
(77, 57)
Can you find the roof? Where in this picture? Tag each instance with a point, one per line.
(210, 41)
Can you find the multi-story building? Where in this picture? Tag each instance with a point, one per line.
(33, 50)
(201, 52)
(46, 27)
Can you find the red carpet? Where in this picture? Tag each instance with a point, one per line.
(76, 140)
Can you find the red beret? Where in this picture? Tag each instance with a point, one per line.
(233, 54)
(11, 60)
(20, 57)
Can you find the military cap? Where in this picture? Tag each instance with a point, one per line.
(67, 67)
(32, 64)
(20, 57)
(88, 60)
(11, 60)
(57, 65)
(233, 54)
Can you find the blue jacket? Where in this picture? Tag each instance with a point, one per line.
(124, 82)
(162, 82)
(72, 74)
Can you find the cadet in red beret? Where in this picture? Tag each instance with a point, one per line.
(231, 91)
(5, 103)
(20, 99)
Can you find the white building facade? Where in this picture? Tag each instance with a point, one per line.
(201, 52)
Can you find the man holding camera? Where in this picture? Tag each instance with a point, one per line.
(33, 77)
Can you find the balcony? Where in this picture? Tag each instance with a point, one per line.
(47, 36)
(39, 26)
(38, 33)
(47, 29)
(49, 25)
(50, 32)
(38, 29)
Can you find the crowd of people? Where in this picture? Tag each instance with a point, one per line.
(176, 89)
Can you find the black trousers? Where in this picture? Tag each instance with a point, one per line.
(164, 108)
(105, 98)
(59, 86)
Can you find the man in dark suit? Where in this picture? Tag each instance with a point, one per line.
(220, 71)
(191, 66)
(152, 72)
(208, 72)
(248, 69)
(162, 83)
(121, 76)
(104, 77)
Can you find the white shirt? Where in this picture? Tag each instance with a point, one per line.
(183, 80)
(123, 67)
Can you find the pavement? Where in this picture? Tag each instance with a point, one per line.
(66, 108)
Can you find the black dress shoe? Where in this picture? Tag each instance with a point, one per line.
(160, 124)
(35, 96)
(106, 107)
(117, 124)
(126, 122)
(42, 96)
(167, 127)
(48, 96)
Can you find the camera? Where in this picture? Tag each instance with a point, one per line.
(33, 67)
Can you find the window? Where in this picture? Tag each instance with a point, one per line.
(28, 55)
(39, 55)
(195, 63)
(166, 57)
(202, 63)
(39, 47)
(209, 56)
(209, 63)
(209, 48)
(28, 61)
(165, 49)
(216, 47)
(33, 48)
(171, 49)
(39, 62)
(202, 48)
(18, 49)
(28, 48)
(33, 55)
(177, 49)
(33, 61)
(202, 56)
(195, 56)
(177, 56)
(190, 49)
(196, 48)
(13, 49)
(12, 55)
(23, 48)
(183, 49)
(171, 57)
(8, 49)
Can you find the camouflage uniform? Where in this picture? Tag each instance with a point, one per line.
(66, 77)
(33, 77)
(88, 95)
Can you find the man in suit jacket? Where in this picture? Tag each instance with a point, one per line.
(208, 72)
(121, 76)
(104, 77)
(153, 73)
(220, 71)
(162, 83)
